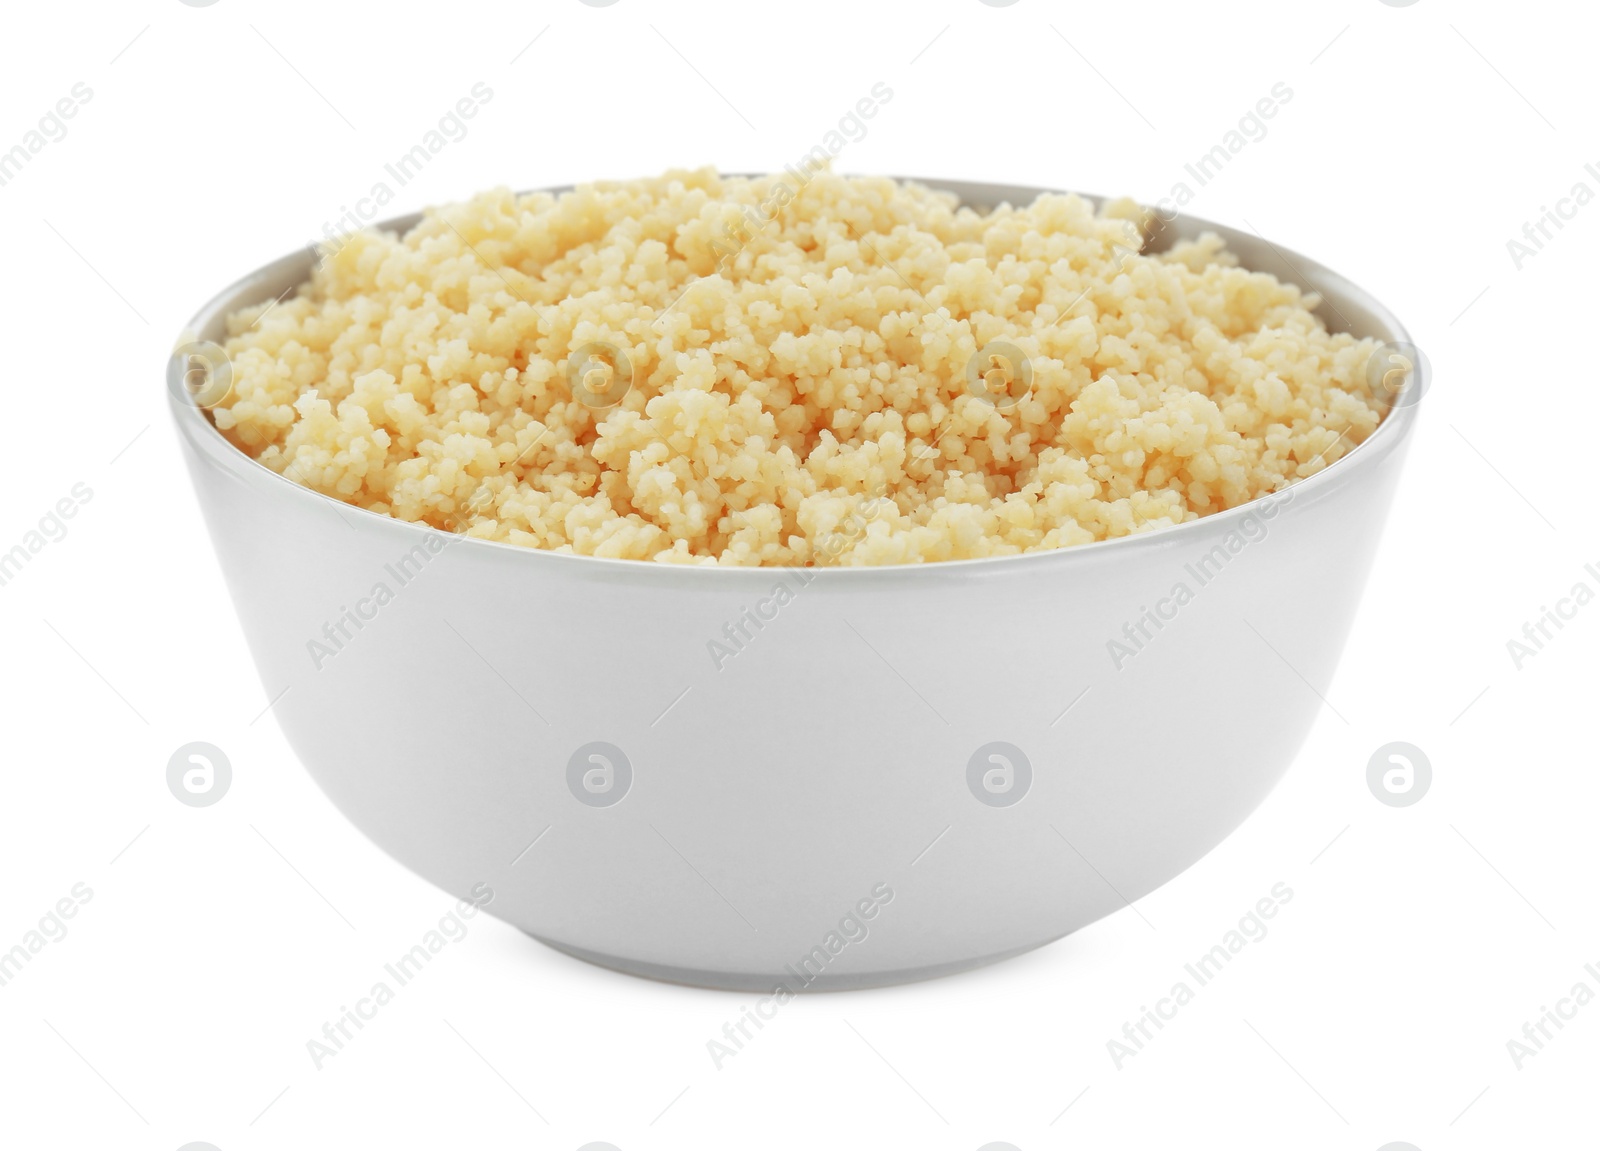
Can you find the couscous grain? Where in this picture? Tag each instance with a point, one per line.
(698, 369)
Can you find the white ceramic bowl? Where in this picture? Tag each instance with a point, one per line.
(825, 809)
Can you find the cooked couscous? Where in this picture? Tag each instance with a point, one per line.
(790, 371)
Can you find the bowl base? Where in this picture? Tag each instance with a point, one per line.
(768, 982)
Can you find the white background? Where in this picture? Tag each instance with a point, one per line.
(1419, 140)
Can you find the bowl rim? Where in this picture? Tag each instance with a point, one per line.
(195, 424)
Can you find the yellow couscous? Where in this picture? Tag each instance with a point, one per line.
(802, 369)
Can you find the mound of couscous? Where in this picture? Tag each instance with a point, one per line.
(787, 371)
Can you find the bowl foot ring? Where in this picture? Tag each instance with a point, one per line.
(766, 983)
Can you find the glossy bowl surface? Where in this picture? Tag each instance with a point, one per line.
(903, 772)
